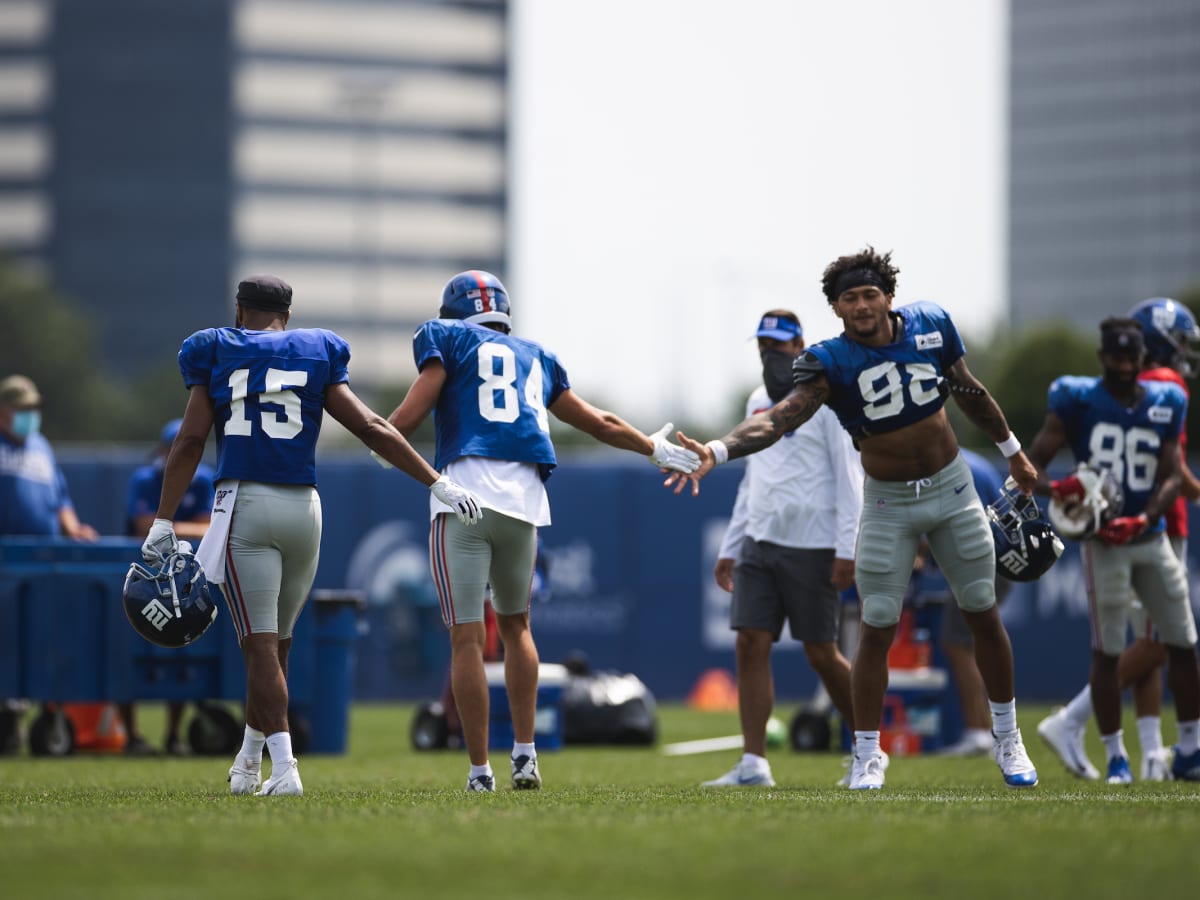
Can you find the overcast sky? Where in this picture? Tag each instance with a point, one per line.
(681, 166)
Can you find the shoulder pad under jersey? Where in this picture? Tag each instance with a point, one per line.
(806, 367)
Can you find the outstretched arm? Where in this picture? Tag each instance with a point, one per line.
(611, 429)
(984, 412)
(755, 433)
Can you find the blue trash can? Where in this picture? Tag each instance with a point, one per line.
(335, 614)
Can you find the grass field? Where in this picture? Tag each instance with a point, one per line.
(385, 821)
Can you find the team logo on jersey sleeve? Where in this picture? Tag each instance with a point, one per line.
(1159, 414)
(929, 341)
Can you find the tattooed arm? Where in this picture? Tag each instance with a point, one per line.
(757, 432)
(985, 413)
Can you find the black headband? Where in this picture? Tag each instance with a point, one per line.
(1122, 340)
(857, 278)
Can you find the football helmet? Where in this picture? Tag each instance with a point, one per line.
(1026, 544)
(169, 605)
(1080, 517)
(1168, 328)
(476, 296)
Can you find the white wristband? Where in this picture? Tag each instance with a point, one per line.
(1010, 446)
(719, 451)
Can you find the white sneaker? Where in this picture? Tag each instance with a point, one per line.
(844, 781)
(1067, 742)
(284, 780)
(866, 774)
(525, 775)
(245, 775)
(1156, 765)
(972, 743)
(1013, 761)
(744, 775)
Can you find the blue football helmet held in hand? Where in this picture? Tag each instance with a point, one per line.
(476, 296)
(1168, 328)
(1026, 544)
(169, 605)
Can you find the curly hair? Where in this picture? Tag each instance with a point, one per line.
(866, 259)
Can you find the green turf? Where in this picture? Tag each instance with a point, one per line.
(385, 821)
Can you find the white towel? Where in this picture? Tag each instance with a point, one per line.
(211, 554)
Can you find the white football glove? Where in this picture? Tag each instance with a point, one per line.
(671, 456)
(465, 506)
(383, 463)
(160, 542)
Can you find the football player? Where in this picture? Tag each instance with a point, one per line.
(1168, 330)
(1131, 428)
(264, 388)
(490, 392)
(887, 377)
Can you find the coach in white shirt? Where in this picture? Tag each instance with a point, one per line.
(788, 550)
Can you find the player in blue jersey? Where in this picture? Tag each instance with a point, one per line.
(887, 377)
(265, 389)
(1131, 429)
(491, 392)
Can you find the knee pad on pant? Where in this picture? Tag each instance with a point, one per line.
(880, 611)
(978, 596)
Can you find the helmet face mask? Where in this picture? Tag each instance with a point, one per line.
(1026, 544)
(1169, 329)
(1102, 500)
(170, 606)
(478, 297)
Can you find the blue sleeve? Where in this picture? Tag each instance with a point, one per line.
(60, 488)
(339, 358)
(558, 377)
(953, 348)
(197, 357)
(427, 343)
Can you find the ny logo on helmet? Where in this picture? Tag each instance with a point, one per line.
(156, 614)
(1013, 562)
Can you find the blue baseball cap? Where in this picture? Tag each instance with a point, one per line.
(170, 431)
(778, 329)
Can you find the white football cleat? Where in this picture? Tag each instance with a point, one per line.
(1013, 761)
(744, 775)
(525, 776)
(1066, 741)
(245, 775)
(866, 773)
(1156, 765)
(284, 781)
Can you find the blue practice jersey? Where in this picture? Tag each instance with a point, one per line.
(145, 488)
(268, 394)
(875, 390)
(1126, 442)
(32, 488)
(498, 387)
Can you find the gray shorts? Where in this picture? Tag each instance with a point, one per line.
(271, 558)
(1151, 570)
(773, 583)
(499, 550)
(1139, 622)
(946, 509)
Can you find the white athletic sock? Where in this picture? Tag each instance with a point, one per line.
(1079, 710)
(1114, 744)
(756, 762)
(1149, 730)
(524, 750)
(485, 769)
(1004, 716)
(866, 744)
(252, 744)
(1189, 736)
(280, 746)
